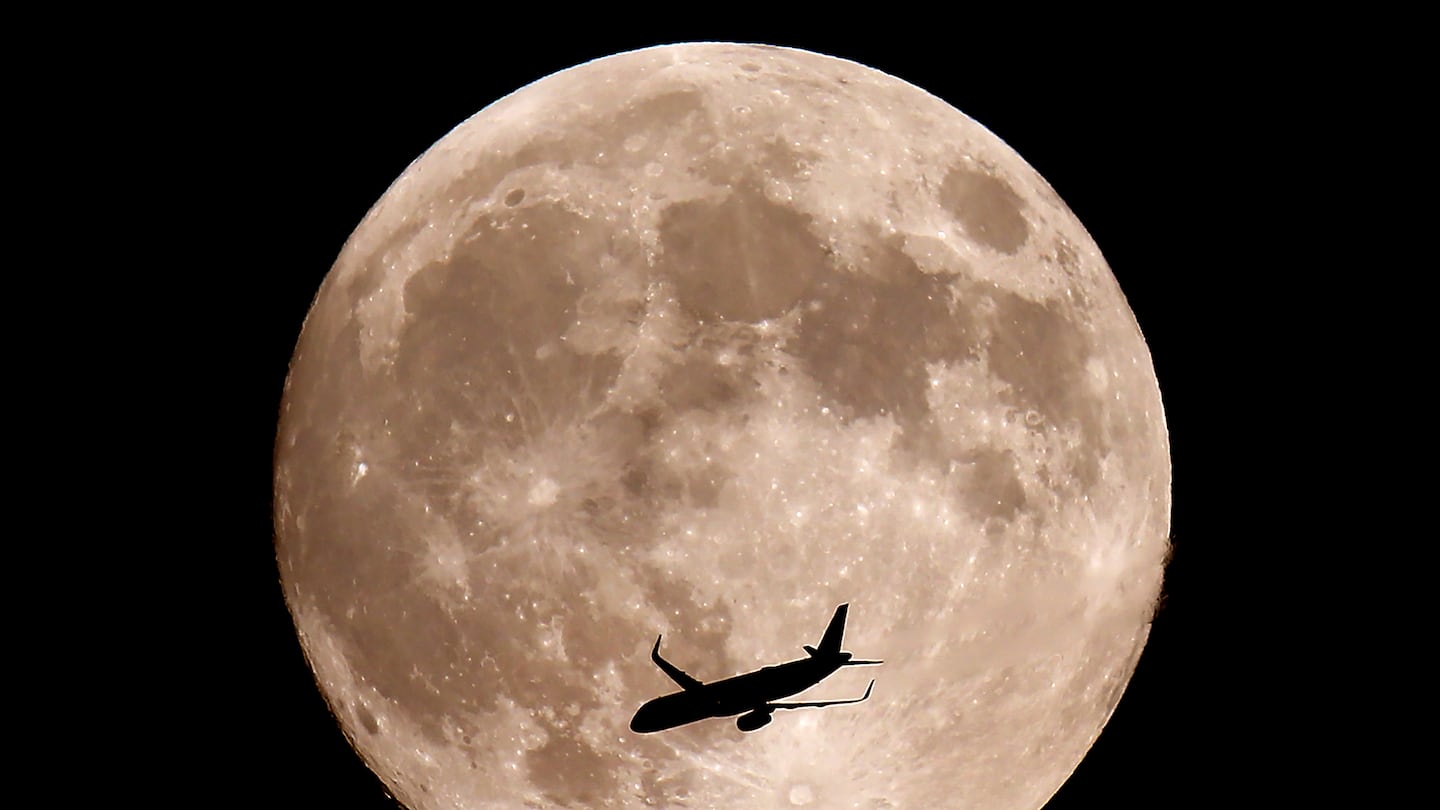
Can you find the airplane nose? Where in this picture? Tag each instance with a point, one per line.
(642, 723)
(652, 717)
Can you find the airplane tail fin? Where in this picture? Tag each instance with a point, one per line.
(830, 643)
(834, 636)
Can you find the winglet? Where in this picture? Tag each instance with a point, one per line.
(676, 674)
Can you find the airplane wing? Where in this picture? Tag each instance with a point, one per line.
(818, 703)
(675, 673)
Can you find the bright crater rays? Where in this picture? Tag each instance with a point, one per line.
(706, 340)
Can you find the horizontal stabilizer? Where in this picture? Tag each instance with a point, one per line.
(853, 663)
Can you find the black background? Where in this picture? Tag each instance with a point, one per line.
(1160, 144)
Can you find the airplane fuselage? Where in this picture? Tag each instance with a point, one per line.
(732, 696)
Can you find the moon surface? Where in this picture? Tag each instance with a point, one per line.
(705, 340)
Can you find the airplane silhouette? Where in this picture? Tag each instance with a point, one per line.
(752, 695)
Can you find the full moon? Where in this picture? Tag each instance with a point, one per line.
(706, 340)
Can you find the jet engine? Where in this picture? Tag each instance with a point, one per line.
(756, 719)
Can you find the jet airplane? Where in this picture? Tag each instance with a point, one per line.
(752, 695)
